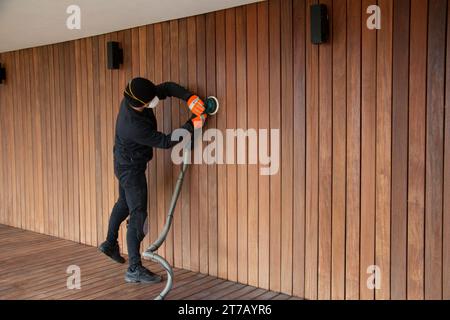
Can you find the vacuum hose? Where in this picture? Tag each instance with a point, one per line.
(212, 106)
(150, 253)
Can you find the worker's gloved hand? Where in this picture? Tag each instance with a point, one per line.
(196, 105)
(199, 121)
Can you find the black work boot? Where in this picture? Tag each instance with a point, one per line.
(112, 251)
(141, 274)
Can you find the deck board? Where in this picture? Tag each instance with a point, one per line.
(33, 266)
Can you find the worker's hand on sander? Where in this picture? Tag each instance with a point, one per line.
(199, 121)
(196, 105)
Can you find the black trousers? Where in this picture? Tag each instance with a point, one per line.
(133, 202)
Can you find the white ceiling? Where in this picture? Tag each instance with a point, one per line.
(31, 23)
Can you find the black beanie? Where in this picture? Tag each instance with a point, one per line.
(139, 92)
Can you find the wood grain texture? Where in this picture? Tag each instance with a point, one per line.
(368, 154)
(312, 125)
(416, 144)
(252, 123)
(339, 150)
(287, 152)
(102, 279)
(353, 170)
(263, 123)
(241, 122)
(383, 149)
(231, 122)
(364, 137)
(434, 148)
(446, 204)
(275, 122)
(299, 145)
(400, 147)
(325, 162)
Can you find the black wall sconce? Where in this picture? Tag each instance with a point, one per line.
(115, 55)
(320, 28)
(2, 74)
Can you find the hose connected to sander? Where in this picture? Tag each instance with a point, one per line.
(211, 108)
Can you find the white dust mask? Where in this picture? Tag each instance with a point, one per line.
(153, 103)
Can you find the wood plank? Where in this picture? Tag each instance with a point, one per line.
(15, 101)
(416, 146)
(70, 92)
(339, 151)
(38, 145)
(267, 295)
(325, 164)
(64, 214)
(110, 116)
(434, 149)
(202, 47)
(446, 195)
(287, 152)
(61, 145)
(8, 104)
(20, 98)
(212, 169)
(30, 135)
(275, 123)
(368, 155)
(73, 117)
(85, 213)
(222, 270)
(104, 138)
(252, 122)
(91, 227)
(231, 116)
(200, 284)
(220, 294)
(263, 123)
(299, 174)
(204, 294)
(312, 160)
(238, 293)
(97, 220)
(52, 207)
(383, 149)
(400, 148)
(44, 97)
(241, 123)
(352, 265)
(12, 183)
(25, 55)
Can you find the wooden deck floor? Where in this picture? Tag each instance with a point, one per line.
(33, 266)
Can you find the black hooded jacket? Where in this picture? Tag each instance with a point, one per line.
(137, 132)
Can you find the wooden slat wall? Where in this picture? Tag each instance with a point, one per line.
(364, 173)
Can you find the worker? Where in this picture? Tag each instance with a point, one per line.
(135, 137)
